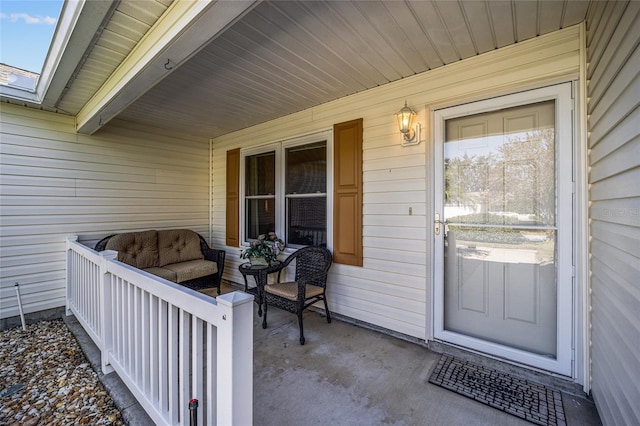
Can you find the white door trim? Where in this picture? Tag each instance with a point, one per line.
(564, 169)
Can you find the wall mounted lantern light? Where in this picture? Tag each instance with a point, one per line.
(410, 135)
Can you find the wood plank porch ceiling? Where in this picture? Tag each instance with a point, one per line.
(287, 56)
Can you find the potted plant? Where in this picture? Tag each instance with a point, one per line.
(264, 250)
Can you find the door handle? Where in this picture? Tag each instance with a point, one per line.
(436, 224)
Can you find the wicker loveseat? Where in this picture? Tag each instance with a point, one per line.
(178, 255)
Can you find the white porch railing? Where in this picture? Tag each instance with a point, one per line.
(167, 343)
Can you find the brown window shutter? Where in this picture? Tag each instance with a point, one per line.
(347, 193)
(232, 230)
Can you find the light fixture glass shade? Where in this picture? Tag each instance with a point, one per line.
(405, 119)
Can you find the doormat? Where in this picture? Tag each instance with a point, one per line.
(521, 398)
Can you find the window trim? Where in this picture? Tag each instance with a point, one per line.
(280, 148)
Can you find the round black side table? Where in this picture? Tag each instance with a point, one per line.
(259, 274)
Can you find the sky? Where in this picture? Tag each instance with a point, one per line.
(26, 29)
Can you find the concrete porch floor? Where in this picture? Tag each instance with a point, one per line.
(345, 374)
(349, 375)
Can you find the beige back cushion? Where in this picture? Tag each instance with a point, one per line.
(178, 245)
(139, 249)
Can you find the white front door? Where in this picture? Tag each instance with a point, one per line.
(503, 228)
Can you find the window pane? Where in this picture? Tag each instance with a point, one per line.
(307, 221)
(307, 169)
(500, 167)
(261, 218)
(260, 174)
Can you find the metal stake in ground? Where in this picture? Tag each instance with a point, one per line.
(24, 326)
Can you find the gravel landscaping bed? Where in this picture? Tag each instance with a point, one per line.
(45, 379)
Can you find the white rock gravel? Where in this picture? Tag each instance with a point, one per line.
(59, 385)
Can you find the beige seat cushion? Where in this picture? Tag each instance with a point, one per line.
(289, 290)
(138, 249)
(165, 273)
(192, 269)
(178, 245)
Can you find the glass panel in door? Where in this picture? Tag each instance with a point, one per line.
(501, 234)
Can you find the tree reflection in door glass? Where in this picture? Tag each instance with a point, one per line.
(500, 209)
(500, 176)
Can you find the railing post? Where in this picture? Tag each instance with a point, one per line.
(235, 359)
(106, 312)
(70, 239)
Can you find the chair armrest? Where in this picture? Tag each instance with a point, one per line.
(100, 245)
(212, 254)
(283, 266)
(217, 256)
(302, 291)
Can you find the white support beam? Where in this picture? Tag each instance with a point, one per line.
(181, 32)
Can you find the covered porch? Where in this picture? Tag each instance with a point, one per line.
(348, 374)
(152, 128)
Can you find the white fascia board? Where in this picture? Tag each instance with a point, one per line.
(182, 31)
(80, 21)
(65, 51)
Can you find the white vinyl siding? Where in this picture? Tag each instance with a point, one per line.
(614, 113)
(56, 183)
(392, 290)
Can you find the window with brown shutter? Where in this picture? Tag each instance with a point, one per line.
(347, 193)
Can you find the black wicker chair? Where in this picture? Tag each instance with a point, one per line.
(312, 267)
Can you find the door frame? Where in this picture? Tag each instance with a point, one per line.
(566, 297)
